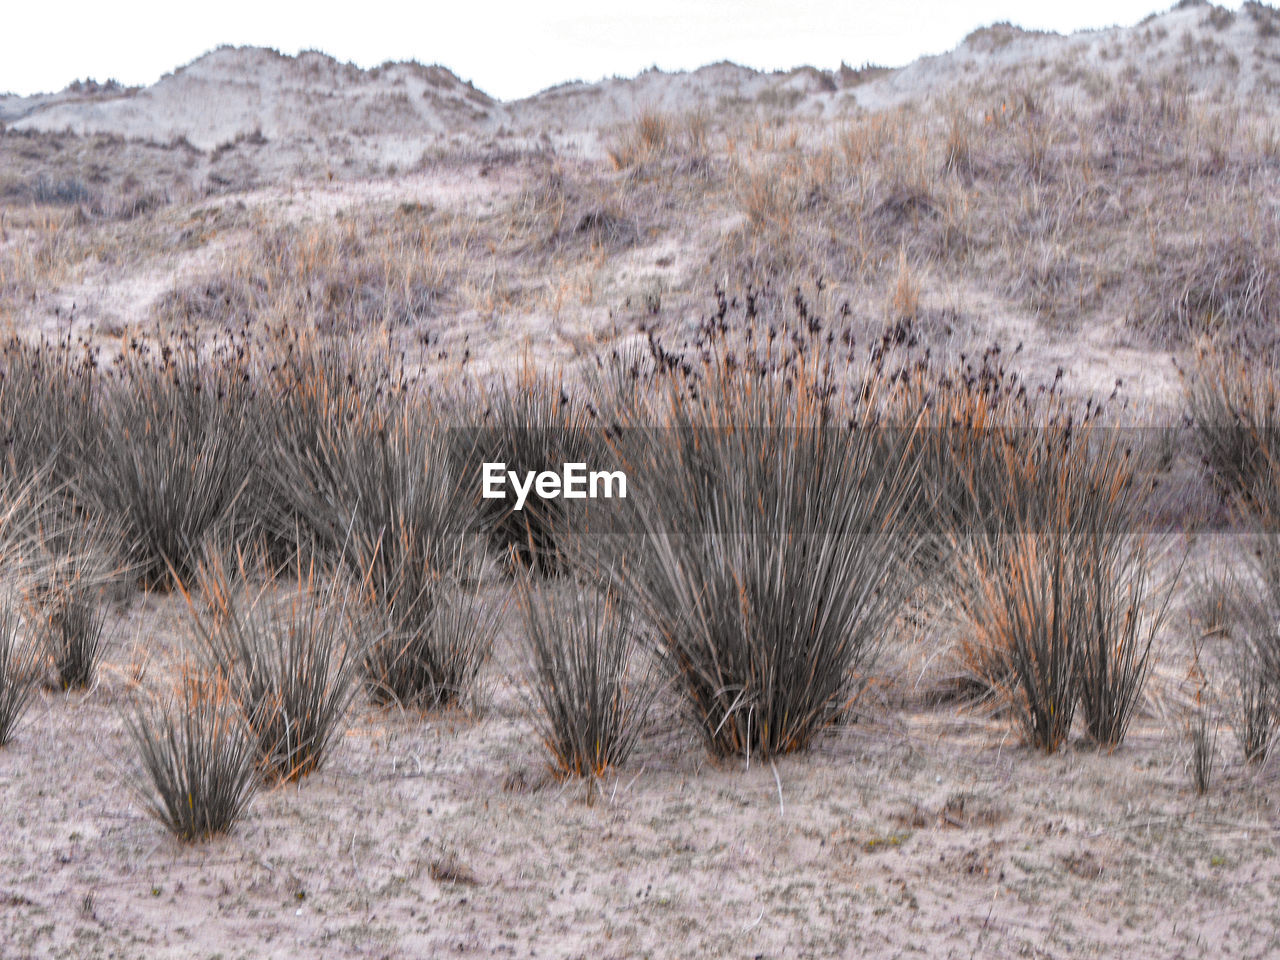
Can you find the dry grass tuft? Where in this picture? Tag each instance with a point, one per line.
(1235, 410)
(198, 761)
(72, 624)
(290, 653)
(768, 535)
(656, 141)
(19, 672)
(1051, 568)
(588, 701)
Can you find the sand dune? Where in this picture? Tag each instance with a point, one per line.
(239, 91)
(1081, 217)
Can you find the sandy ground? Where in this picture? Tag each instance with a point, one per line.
(918, 831)
(926, 829)
(108, 298)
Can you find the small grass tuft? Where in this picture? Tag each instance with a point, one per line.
(290, 657)
(430, 653)
(1204, 742)
(586, 703)
(198, 759)
(72, 626)
(19, 672)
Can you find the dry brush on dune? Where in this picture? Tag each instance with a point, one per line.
(787, 505)
(911, 490)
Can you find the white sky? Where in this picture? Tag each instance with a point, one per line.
(510, 48)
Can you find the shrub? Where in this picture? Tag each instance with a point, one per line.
(198, 760)
(1055, 583)
(377, 491)
(586, 704)
(18, 672)
(290, 658)
(770, 543)
(650, 135)
(171, 455)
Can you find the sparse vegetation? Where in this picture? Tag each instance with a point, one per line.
(350, 275)
(290, 662)
(590, 695)
(198, 770)
(19, 672)
(72, 623)
(918, 462)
